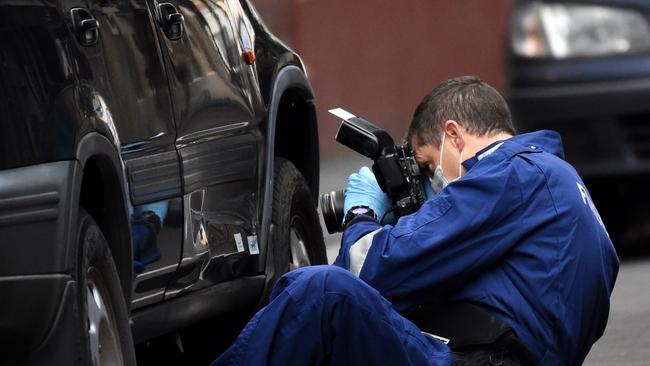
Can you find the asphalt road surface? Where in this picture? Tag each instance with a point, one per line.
(627, 338)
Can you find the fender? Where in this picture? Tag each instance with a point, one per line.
(95, 149)
(289, 77)
(39, 208)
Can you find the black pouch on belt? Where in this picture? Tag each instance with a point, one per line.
(475, 336)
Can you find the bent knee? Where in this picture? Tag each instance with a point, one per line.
(319, 279)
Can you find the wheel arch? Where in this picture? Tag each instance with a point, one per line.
(291, 103)
(292, 130)
(102, 193)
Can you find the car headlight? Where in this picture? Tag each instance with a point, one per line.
(577, 30)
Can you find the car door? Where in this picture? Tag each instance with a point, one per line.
(137, 93)
(219, 141)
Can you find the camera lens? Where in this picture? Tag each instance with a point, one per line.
(331, 205)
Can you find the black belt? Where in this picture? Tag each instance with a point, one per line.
(475, 336)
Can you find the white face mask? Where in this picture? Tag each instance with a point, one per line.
(438, 181)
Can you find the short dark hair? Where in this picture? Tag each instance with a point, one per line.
(468, 100)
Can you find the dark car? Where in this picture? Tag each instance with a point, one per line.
(582, 68)
(158, 166)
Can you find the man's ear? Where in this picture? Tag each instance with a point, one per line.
(454, 134)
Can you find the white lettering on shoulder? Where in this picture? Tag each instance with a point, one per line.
(586, 199)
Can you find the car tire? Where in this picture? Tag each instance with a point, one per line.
(105, 331)
(298, 236)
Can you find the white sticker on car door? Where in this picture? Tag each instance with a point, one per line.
(252, 244)
(240, 242)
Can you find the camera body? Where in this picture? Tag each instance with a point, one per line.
(395, 168)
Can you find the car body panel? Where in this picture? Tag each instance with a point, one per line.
(38, 79)
(126, 67)
(218, 115)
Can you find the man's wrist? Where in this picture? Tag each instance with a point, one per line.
(356, 211)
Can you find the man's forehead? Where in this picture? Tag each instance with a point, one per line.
(415, 141)
(416, 145)
(424, 153)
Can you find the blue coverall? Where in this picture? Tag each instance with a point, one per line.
(518, 235)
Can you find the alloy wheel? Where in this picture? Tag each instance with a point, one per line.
(298, 246)
(102, 331)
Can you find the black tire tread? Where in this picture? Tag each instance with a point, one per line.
(93, 249)
(288, 181)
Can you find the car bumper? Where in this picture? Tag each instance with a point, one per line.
(36, 283)
(605, 126)
(29, 308)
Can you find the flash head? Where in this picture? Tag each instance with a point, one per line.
(361, 135)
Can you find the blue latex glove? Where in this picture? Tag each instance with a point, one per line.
(363, 190)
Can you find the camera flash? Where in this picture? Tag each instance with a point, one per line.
(342, 113)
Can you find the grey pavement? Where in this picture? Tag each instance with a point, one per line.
(627, 338)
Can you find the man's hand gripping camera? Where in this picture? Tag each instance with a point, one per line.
(394, 167)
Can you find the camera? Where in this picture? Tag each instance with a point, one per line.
(394, 166)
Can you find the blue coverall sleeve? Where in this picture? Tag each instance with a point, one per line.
(454, 236)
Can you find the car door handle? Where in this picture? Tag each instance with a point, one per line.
(85, 26)
(170, 20)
